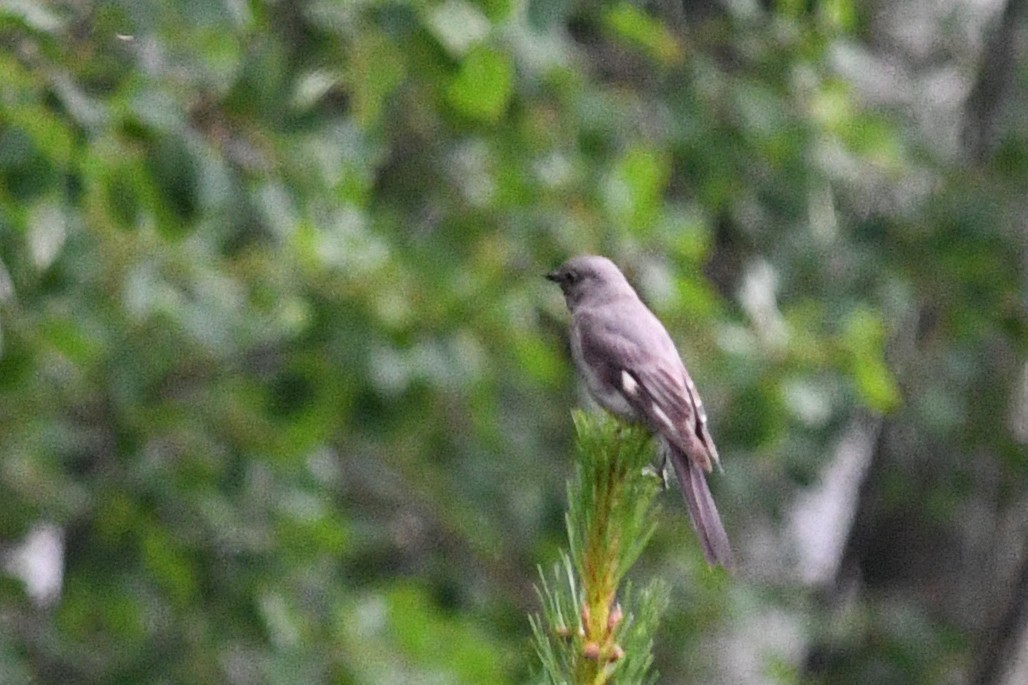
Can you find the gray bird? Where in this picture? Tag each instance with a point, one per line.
(633, 370)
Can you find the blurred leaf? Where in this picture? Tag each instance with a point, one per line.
(376, 69)
(32, 14)
(643, 32)
(423, 634)
(169, 564)
(458, 25)
(545, 13)
(839, 14)
(636, 187)
(864, 337)
(482, 87)
(47, 230)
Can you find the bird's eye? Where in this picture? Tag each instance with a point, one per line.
(573, 277)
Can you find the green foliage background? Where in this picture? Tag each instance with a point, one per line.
(276, 356)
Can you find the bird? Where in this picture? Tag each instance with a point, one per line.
(633, 370)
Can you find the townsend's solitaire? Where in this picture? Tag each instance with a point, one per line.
(633, 370)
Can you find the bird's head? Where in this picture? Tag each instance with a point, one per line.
(589, 279)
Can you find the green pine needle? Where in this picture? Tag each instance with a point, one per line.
(592, 630)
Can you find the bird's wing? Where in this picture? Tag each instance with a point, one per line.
(652, 378)
(702, 431)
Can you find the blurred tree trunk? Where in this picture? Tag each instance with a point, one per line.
(1007, 618)
(991, 90)
(1008, 638)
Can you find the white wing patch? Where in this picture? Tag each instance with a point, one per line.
(661, 416)
(629, 384)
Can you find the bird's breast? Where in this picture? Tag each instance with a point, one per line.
(605, 394)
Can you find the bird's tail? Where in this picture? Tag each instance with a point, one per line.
(705, 519)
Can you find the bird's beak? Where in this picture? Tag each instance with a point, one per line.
(552, 276)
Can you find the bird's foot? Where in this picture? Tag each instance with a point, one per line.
(659, 473)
